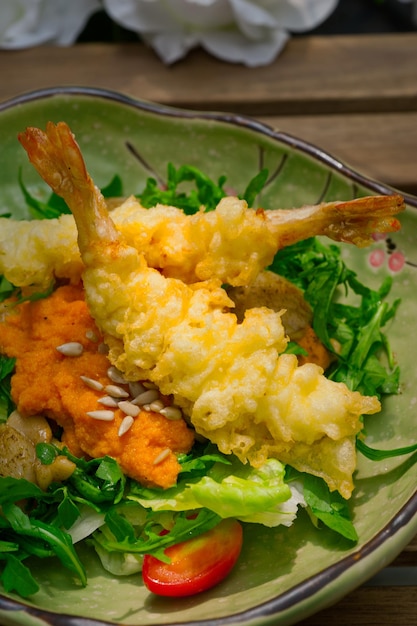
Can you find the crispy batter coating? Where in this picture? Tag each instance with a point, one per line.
(232, 243)
(36, 252)
(231, 378)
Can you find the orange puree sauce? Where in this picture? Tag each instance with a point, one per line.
(316, 351)
(48, 383)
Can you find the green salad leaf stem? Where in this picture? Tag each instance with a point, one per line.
(375, 454)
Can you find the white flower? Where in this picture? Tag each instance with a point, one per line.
(252, 32)
(247, 31)
(25, 23)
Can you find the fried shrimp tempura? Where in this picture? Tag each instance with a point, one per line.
(231, 378)
(232, 243)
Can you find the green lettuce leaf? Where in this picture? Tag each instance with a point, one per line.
(229, 489)
(323, 505)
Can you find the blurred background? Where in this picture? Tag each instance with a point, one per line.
(371, 16)
(350, 17)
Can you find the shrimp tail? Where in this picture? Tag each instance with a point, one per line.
(355, 221)
(57, 157)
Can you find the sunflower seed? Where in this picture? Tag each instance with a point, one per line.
(116, 375)
(72, 348)
(116, 392)
(108, 401)
(93, 384)
(104, 416)
(161, 456)
(171, 412)
(156, 406)
(136, 388)
(129, 408)
(91, 335)
(126, 424)
(146, 397)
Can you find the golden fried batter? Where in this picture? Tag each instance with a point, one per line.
(232, 243)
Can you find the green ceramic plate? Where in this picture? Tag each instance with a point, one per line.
(283, 575)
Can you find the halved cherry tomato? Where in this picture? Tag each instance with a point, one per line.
(197, 564)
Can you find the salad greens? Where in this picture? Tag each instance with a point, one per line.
(352, 332)
(55, 205)
(207, 193)
(122, 519)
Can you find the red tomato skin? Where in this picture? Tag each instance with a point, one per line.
(197, 564)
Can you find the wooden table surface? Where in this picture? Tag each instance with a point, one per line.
(355, 96)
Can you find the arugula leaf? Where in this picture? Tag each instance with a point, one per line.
(39, 210)
(16, 576)
(104, 481)
(94, 482)
(15, 489)
(207, 193)
(36, 295)
(7, 546)
(294, 348)
(58, 542)
(198, 462)
(67, 512)
(379, 455)
(327, 506)
(55, 205)
(121, 527)
(113, 189)
(356, 330)
(6, 289)
(255, 186)
(99, 483)
(121, 536)
(7, 366)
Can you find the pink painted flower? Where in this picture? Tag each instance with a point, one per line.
(377, 257)
(379, 236)
(396, 261)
